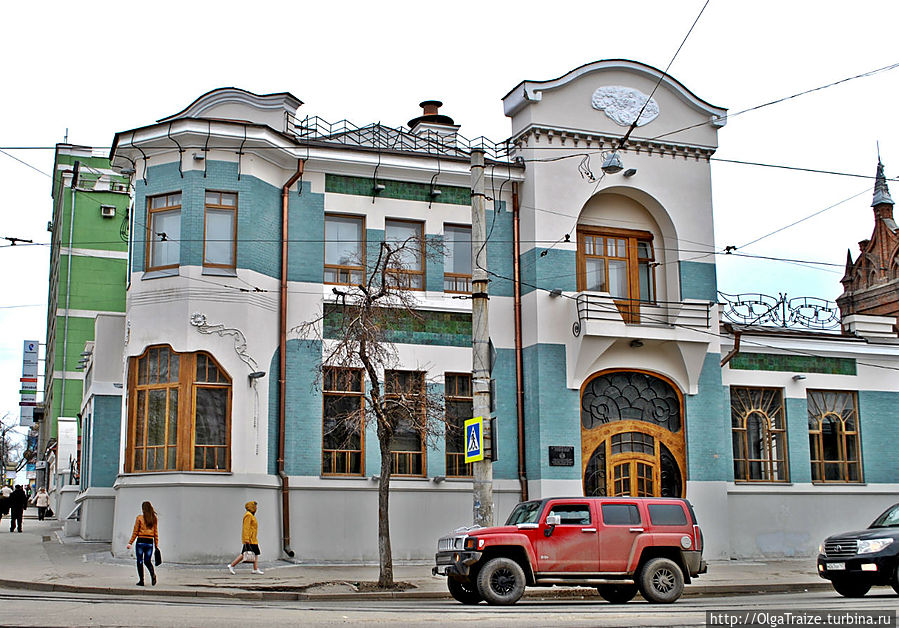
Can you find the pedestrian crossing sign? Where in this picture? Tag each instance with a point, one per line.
(474, 439)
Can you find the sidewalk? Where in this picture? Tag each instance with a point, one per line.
(39, 559)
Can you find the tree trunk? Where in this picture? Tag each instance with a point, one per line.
(385, 555)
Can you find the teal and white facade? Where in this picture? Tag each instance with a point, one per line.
(622, 385)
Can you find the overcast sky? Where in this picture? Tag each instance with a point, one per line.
(97, 68)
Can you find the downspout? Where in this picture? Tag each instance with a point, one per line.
(282, 364)
(65, 333)
(730, 355)
(519, 374)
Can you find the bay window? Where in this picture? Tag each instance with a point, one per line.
(179, 411)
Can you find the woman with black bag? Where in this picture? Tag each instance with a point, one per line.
(146, 531)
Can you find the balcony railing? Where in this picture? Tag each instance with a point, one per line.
(601, 307)
(382, 137)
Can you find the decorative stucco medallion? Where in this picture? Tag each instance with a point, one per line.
(622, 104)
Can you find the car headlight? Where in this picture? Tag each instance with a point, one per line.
(821, 548)
(872, 545)
(457, 544)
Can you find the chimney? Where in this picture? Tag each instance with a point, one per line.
(434, 125)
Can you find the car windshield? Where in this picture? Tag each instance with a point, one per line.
(888, 519)
(525, 512)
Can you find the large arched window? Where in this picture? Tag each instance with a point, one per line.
(759, 434)
(833, 436)
(179, 411)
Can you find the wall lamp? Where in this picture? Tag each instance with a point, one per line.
(555, 293)
(378, 188)
(636, 343)
(439, 478)
(127, 171)
(86, 353)
(612, 164)
(796, 378)
(255, 375)
(630, 172)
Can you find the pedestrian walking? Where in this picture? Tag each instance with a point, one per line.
(18, 502)
(5, 492)
(146, 531)
(249, 538)
(42, 501)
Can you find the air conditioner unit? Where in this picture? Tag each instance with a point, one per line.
(107, 211)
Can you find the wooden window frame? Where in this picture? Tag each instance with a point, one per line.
(456, 460)
(629, 306)
(772, 416)
(457, 279)
(345, 268)
(396, 454)
(421, 255)
(151, 232)
(327, 392)
(186, 386)
(195, 386)
(816, 441)
(221, 207)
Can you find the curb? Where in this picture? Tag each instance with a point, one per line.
(563, 594)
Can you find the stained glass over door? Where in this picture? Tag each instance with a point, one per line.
(632, 436)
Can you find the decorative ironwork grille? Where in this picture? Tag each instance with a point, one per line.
(629, 395)
(762, 309)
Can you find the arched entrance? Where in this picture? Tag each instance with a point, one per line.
(632, 435)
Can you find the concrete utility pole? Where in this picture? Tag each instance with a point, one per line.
(482, 489)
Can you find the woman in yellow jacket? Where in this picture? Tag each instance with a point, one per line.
(146, 532)
(249, 538)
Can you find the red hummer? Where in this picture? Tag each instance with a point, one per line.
(616, 544)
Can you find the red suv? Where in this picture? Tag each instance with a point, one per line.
(616, 544)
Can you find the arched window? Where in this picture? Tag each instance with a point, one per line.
(179, 410)
(759, 434)
(833, 436)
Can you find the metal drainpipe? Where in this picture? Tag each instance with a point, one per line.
(282, 363)
(65, 333)
(519, 374)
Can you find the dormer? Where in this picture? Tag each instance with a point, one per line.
(239, 105)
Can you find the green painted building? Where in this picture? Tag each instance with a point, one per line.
(88, 270)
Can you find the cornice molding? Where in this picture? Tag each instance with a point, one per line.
(534, 135)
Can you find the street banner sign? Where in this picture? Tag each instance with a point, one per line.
(28, 392)
(29, 358)
(474, 439)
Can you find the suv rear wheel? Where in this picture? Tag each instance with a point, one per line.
(464, 592)
(895, 583)
(617, 593)
(501, 581)
(661, 581)
(847, 588)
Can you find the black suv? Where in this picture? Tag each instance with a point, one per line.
(856, 561)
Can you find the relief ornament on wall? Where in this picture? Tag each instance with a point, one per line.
(622, 104)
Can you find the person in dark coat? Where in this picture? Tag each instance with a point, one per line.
(18, 502)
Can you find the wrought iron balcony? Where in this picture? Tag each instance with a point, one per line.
(600, 308)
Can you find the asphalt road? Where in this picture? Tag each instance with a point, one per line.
(23, 608)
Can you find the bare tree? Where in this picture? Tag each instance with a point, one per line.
(10, 441)
(400, 403)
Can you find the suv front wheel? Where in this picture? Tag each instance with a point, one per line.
(464, 592)
(847, 588)
(501, 581)
(661, 581)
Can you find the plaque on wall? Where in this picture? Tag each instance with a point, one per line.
(561, 456)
